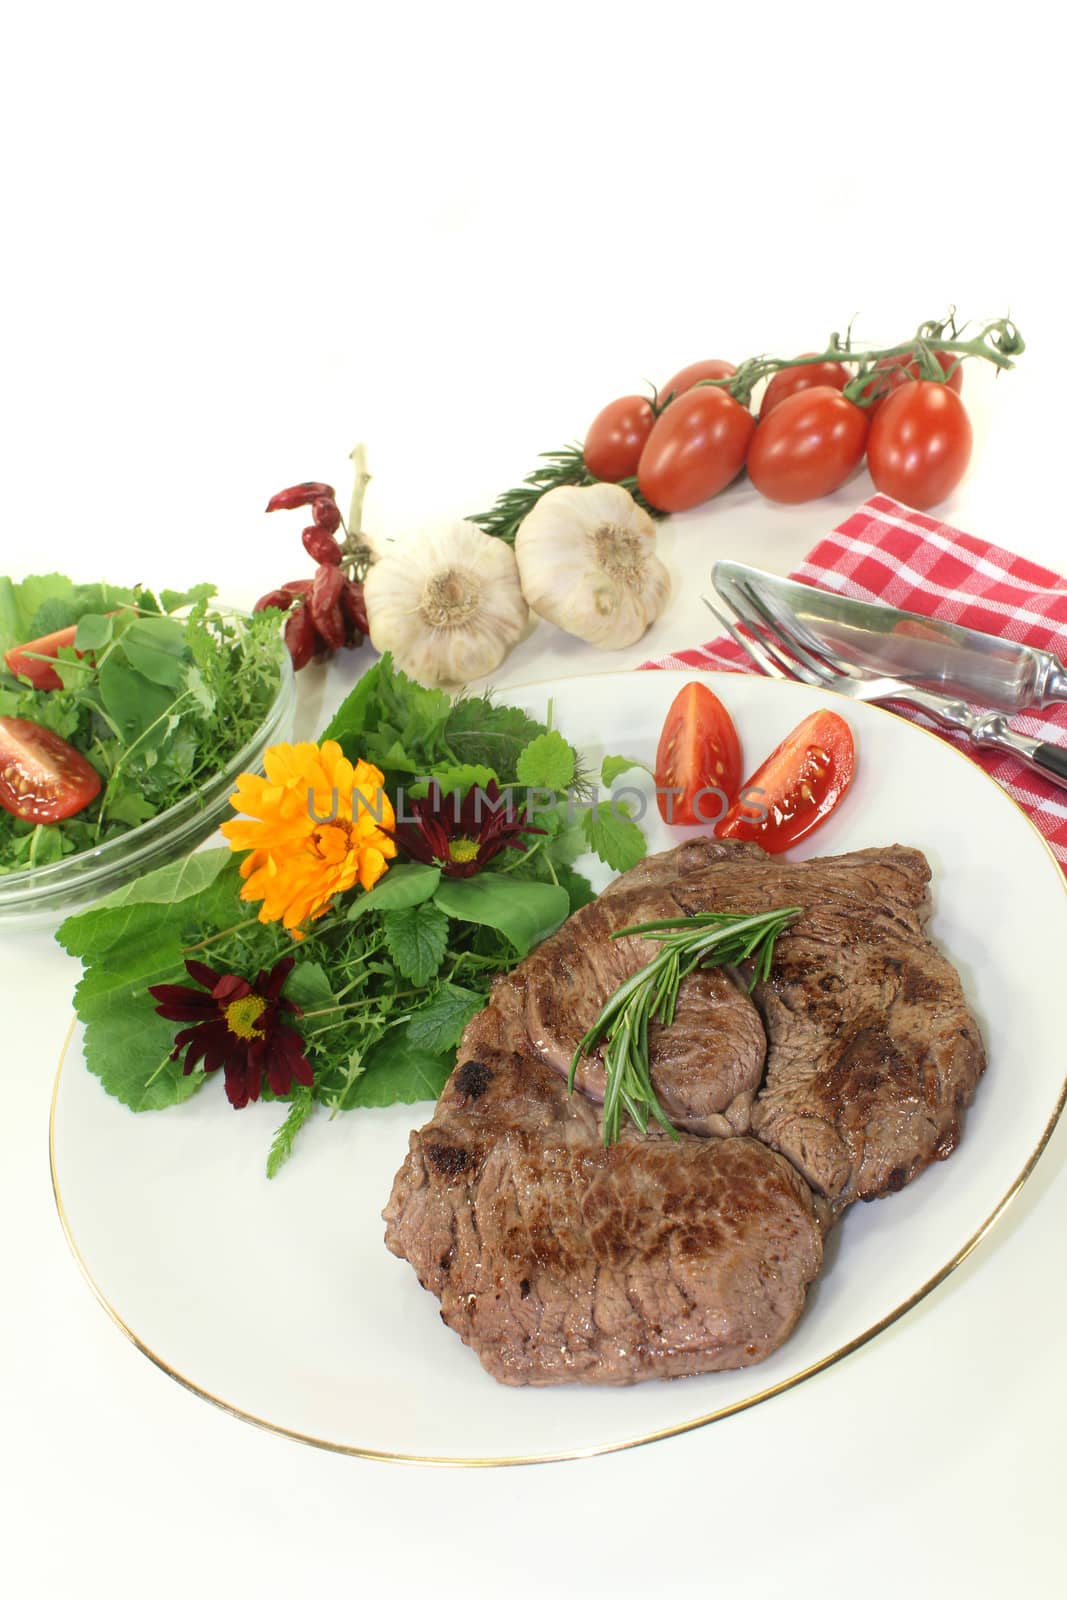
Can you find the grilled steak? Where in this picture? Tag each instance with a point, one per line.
(705, 1068)
(558, 1260)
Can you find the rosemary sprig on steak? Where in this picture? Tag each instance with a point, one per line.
(708, 939)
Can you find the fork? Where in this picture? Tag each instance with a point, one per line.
(790, 652)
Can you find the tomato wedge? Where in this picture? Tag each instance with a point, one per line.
(42, 777)
(699, 754)
(20, 658)
(797, 787)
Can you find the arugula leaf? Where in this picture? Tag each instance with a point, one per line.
(614, 838)
(394, 1069)
(523, 910)
(417, 938)
(547, 762)
(437, 1026)
(408, 884)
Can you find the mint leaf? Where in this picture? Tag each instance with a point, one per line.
(614, 766)
(522, 910)
(548, 762)
(416, 939)
(437, 1025)
(393, 1069)
(614, 837)
(408, 884)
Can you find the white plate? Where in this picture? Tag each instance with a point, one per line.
(279, 1300)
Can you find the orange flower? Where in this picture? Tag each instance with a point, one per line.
(314, 826)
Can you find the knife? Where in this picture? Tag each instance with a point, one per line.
(942, 656)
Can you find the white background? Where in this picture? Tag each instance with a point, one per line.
(239, 237)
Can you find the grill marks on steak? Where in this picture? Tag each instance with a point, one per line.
(705, 1067)
(558, 1260)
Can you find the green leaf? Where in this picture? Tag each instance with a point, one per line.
(128, 1049)
(394, 1069)
(94, 631)
(408, 884)
(614, 837)
(453, 780)
(416, 938)
(548, 762)
(166, 886)
(523, 911)
(614, 766)
(437, 1026)
(133, 703)
(579, 890)
(308, 987)
(303, 1103)
(173, 599)
(156, 648)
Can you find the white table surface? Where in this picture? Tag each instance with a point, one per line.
(237, 243)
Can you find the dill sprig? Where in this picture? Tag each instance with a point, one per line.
(708, 939)
(564, 468)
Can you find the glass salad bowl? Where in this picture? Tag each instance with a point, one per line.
(47, 893)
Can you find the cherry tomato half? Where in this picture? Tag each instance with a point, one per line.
(920, 443)
(698, 753)
(42, 777)
(796, 788)
(696, 448)
(808, 445)
(696, 372)
(20, 658)
(791, 380)
(893, 371)
(617, 436)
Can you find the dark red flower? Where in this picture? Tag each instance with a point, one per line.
(236, 1025)
(461, 838)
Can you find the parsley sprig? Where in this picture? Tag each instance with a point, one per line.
(707, 939)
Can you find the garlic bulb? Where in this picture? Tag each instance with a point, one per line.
(587, 562)
(448, 604)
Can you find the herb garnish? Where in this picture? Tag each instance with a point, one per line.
(707, 939)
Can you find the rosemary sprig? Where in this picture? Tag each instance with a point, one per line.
(565, 467)
(708, 939)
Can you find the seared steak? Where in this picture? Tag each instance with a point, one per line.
(557, 1260)
(705, 1068)
(872, 1050)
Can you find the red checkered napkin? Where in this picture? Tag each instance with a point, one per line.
(886, 552)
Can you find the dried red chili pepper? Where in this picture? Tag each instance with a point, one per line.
(323, 601)
(321, 546)
(301, 636)
(326, 514)
(280, 599)
(354, 610)
(300, 494)
(297, 586)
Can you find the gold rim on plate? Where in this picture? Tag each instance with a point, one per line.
(612, 1447)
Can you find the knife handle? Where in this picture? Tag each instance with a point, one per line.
(1048, 759)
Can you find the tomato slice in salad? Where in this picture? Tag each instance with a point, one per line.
(42, 777)
(699, 754)
(22, 659)
(797, 787)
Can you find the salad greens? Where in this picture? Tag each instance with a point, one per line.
(387, 979)
(158, 706)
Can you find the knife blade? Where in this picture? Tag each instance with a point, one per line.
(943, 656)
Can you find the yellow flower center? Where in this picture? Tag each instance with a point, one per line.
(242, 1015)
(463, 850)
